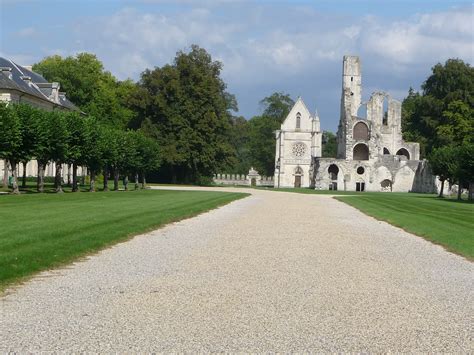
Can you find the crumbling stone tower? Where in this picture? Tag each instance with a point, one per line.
(351, 98)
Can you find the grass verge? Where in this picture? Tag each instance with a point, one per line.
(42, 231)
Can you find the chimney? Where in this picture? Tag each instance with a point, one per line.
(55, 92)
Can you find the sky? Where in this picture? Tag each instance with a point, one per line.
(295, 47)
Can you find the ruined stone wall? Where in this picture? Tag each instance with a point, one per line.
(242, 180)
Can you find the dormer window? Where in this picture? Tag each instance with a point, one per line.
(298, 120)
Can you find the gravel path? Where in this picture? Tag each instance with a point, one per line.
(273, 272)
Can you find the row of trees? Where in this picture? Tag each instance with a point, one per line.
(74, 139)
(441, 119)
(185, 107)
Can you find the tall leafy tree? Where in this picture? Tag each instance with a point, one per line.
(277, 106)
(77, 139)
(11, 140)
(94, 90)
(59, 147)
(424, 113)
(186, 107)
(261, 144)
(444, 164)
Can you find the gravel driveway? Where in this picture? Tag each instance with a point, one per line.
(273, 272)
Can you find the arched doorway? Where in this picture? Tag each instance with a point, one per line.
(298, 176)
(361, 152)
(386, 185)
(333, 171)
(403, 152)
(253, 182)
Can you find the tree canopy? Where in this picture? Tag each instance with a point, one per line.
(94, 90)
(186, 107)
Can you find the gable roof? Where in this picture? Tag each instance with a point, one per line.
(17, 77)
(296, 108)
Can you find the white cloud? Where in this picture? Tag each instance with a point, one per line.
(266, 48)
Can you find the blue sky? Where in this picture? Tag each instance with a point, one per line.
(265, 46)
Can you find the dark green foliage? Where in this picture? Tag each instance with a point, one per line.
(441, 119)
(186, 108)
(277, 106)
(329, 145)
(44, 231)
(93, 90)
(239, 139)
(443, 112)
(261, 142)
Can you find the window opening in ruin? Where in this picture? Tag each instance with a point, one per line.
(298, 120)
(386, 185)
(352, 78)
(333, 171)
(386, 151)
(360, 186)
(362, 111)
(360, 132)
(403, 152)
(385, 112)
(361, 152)
(360, 170)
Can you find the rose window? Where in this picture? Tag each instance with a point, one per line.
(299, 149)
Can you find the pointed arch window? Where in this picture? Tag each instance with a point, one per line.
(298, 120)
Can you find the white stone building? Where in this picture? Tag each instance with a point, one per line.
(371, 153)
(297, 142)
(19, 84)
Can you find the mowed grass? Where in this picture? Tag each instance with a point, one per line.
(42, 231)
(446, 222)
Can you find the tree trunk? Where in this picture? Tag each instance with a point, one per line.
(69, 175)
(92, 187)
(137, 186)
(58, 184)
(143, 181)
(106, 179)
(174, 179)
(442, 189)
(125, 182)
(116, 179)
(5, 173)
(40, 184)
(15, 189)
(23, 183)
(83, 176)
(459, 190)
(74, 178)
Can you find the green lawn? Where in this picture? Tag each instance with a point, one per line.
(41, 231)
(443, 221)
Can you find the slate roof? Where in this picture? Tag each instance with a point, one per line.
(14, 79)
